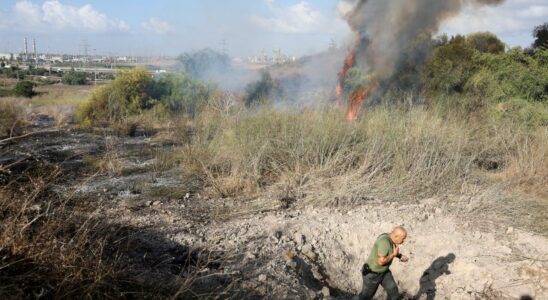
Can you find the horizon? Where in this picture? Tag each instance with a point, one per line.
(168, 28)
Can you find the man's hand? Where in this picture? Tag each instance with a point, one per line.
(396, 250)
(404, 259)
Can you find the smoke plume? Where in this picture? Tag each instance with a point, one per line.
(387, 28)
(392, 42)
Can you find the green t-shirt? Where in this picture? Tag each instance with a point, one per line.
(383, 247)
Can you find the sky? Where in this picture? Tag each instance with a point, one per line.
(170, 27)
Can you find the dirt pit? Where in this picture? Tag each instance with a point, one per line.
(449, 258)
(460, 246)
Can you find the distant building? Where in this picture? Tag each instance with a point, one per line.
(7, 56)
(278, 57)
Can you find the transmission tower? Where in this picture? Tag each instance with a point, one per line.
(224, 47)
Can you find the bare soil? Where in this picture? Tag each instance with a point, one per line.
(482, 244)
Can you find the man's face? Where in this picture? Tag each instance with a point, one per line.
(400, 238)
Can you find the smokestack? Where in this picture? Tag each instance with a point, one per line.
(34, 49)
(26, 49)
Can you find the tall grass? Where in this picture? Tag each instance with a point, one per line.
(320, 154)
(56, 247)
(12, 118)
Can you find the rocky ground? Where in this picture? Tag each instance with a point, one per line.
(479, 245)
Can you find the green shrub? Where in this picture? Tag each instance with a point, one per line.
(486, 42)
(459, 72)
(24, 89)
(135, 91)
(180, 93)
(202, 63)
(74, 78)
(520, 112)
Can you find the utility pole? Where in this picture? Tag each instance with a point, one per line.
(224, 47)
(332, 45)
(85, 49)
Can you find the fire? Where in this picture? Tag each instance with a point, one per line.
(349, 62)
(356, 98)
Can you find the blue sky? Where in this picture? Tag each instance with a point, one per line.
(248, 26)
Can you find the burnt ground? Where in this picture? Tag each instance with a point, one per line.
(264, 247)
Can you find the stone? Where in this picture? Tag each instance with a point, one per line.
(325, 292)
(308, 251)
(291, 264)
(156, 203)
(262, 278)
(317, 275)
(510, 230)
(300, 239)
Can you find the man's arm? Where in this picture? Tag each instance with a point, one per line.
(384, 260)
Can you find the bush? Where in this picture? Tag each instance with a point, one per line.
(201, 64)
(134, 92)
(74, 78)
(180, 93)
(458, 71)
(486, 42)
(24, 89)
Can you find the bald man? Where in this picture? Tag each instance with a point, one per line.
(376, 269)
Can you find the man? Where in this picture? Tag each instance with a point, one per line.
(376, 269)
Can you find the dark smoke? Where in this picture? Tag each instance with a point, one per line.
(390, 31)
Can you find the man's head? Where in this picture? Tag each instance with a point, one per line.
(398, 235)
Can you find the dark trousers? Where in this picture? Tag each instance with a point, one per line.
(371, 283)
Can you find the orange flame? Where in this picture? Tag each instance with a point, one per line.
(356, 100)
(349, 62)
(361, 93)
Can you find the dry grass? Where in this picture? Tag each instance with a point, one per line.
(12, 118)
(414, 152)
(55, 247)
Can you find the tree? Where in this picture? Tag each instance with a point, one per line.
(486, 42)
(540, 33)
(201, 64)
(74, 78)
(24, 89)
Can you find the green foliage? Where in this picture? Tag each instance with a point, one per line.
(486, 42)
(180, 93)
(24, 89)
(201, 63)
(470, 72)
(74, 78)
(449, 67)
(354, 79)
(126, 95)
(134, 92)
(36, 71)
(521, 112)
